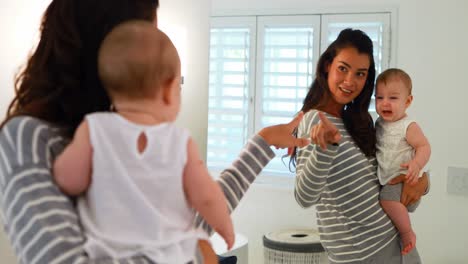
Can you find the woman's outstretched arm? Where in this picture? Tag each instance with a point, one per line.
(235, 180)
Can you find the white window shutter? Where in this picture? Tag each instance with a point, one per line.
(231, 76)
(287, 52)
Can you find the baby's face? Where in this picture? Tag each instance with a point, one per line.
(391, 100)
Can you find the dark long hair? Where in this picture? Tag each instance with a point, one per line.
(356, 117)
(59, 83)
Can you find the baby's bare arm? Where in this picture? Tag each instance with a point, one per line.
(72, 168)
(419, 142)
(205, 195)
(417, 139)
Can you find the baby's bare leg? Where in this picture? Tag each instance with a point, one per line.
(400, 218)
(209, 256)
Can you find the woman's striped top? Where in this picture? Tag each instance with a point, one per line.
(342, 183)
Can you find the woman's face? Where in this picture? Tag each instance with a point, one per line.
(347, 75)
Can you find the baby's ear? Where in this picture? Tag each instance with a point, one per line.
(167, 92)
(409, 100)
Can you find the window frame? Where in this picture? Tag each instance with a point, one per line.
(262, 23)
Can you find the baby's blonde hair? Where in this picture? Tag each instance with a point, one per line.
(394, 74)
(136, 59)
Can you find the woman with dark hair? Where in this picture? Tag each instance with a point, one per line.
(58, 86)
(337, 172)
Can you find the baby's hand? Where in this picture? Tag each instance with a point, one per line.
(229, 237)
(413, 171)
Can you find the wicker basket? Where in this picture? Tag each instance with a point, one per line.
(293, 246)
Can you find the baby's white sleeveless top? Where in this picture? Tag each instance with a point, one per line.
(136, 204)
(392, 148)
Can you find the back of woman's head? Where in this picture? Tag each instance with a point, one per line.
(59, 82)
(355, 114)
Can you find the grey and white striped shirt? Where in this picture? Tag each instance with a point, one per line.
(342, 182)
(42, 223)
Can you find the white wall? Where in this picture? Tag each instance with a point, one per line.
(432, 37)
(191, 18)
(186, 22)
(19, 25)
